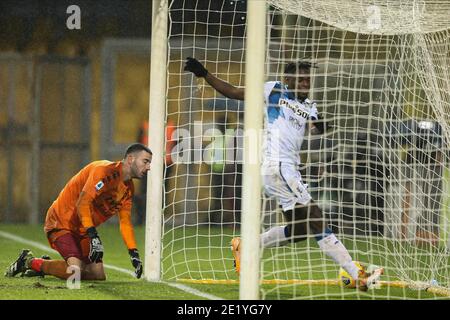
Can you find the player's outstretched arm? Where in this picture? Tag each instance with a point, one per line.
(126, 228)
(228, 90)
(319, 126)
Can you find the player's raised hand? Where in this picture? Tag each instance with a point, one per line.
(96, 248)
(136, 262)
(195, 67)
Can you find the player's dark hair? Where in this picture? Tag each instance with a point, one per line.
(137, 147)
(294, 67)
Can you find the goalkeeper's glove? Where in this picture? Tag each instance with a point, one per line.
(195, 67)
(96, 246)
(136, 262)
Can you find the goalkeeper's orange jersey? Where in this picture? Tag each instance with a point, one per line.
(91, 197)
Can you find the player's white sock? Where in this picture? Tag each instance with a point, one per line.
(274, 237)
(336, 250)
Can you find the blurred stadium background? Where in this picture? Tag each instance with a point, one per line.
(71, 96)
(68, 96)
(53, 115)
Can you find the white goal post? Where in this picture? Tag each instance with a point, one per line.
(157, 113)
(379, 172)
(253, 123)
(251, 180)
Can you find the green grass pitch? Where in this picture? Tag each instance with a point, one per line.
(197, 253)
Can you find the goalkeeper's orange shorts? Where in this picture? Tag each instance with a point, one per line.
(70, 244)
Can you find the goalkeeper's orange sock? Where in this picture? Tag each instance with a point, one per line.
(56, 268)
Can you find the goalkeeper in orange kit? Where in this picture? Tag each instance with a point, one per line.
(99, 191)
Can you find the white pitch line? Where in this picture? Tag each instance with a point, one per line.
(193, 291)
(45, 248)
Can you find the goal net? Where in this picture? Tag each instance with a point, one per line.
(379, 172)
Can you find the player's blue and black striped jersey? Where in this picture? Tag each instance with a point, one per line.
(286, 118)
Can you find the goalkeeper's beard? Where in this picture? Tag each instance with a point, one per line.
(136, 174)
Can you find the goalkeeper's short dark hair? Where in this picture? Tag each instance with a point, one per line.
(294, 67)
(137, 147)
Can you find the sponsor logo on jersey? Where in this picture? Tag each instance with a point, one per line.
(99, 185)
(295, 106)
(295, 123)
